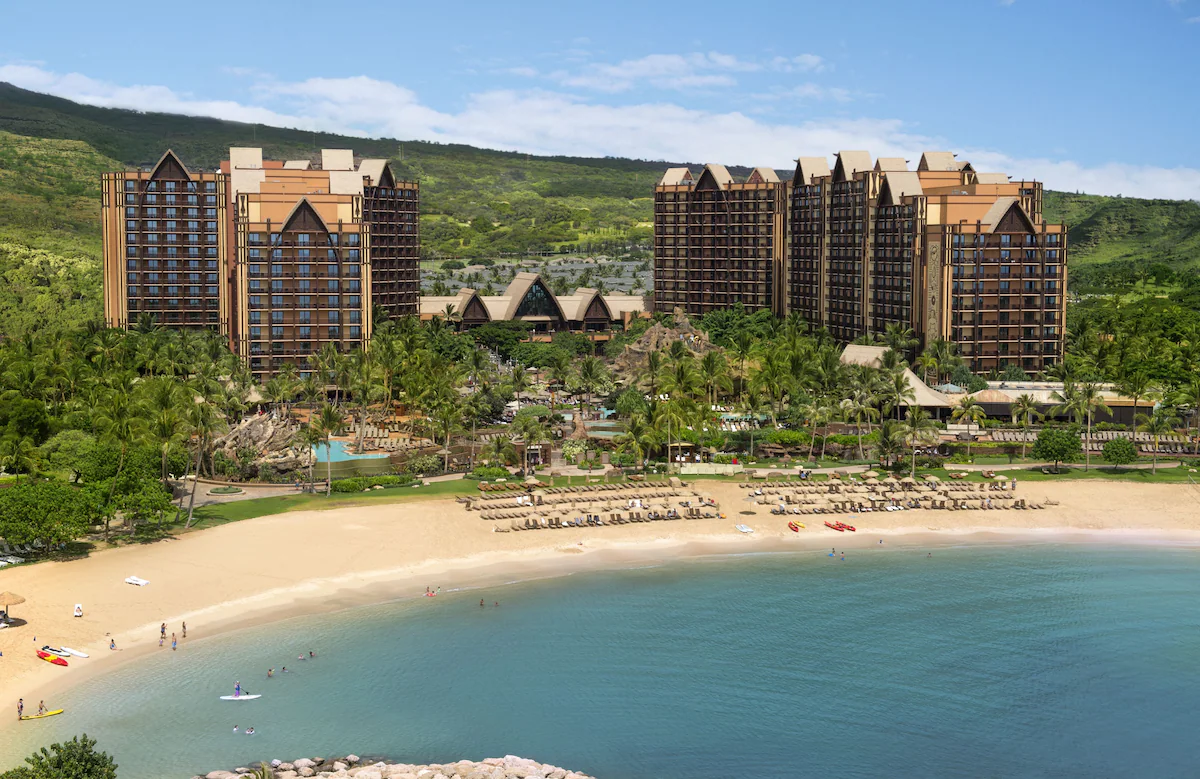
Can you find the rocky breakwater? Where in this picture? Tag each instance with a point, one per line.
(509, 767)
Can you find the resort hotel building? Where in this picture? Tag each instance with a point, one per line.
(279, 257)
(953, 253)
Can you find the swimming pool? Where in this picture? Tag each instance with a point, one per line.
(342, 451)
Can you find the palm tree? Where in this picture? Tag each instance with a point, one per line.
(500, 450)
(917, 425)
(532, 432)
(202, 423)
(366, 385)
(972, 412)
(928, 365)
(121, 425)
(891, 441)
(1189, 396)
(591, 375)
(653, 374)
(821, 416)
(1082, 401)
(1023, 409)
(742, 346)
(858, 409)
(900, 338)
(896, 392)
(1136, 385)
(329, 422)
(20, 455)
(752, 404)
(714, 373)
(1159, 423)
(518, 382)
(447, 418)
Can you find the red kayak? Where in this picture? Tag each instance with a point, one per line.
(838, 527)
(49, 658)
(795, 528)
(847, 527)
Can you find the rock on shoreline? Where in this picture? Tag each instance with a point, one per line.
(507, 767)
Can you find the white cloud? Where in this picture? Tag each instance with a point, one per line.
(1192, 20)
(665, 71)
(523, 72)
(809, 91)
(804, 63)
(543, 122)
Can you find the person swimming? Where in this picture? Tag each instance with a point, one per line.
(285, 669)
(235, 728)
(310, 654)
(270, 672)
(250, 731)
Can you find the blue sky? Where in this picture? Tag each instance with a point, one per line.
(1099, 96)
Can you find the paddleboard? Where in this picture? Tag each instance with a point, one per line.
(53, 659)
(75, 652)
(242, 697)
(42, 716)
(59, 652)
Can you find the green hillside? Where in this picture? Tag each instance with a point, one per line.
(474, 202)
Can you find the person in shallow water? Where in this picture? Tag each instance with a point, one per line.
(270, 673)
(235, 728)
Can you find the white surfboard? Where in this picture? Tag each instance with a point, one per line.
(75, 652)
(242, 697)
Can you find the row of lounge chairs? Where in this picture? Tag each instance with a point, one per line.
(611, 518)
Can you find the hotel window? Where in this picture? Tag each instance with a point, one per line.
(276, 332)
(276, 317)
(305, 332)
(355, 331)
(255, 317)
(304, 317)
(255, 333)
(277, 300)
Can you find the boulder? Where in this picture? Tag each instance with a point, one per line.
(352, 759)
(220, 775)
(286, 775)
(303, 762)
(285, 767)
(306, 771)
(368, 773)
(338, 765)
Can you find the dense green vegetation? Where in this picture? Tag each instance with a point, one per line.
(74, 759)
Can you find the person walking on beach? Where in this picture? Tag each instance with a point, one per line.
(161, 639)
(162, 631)
(174, 643)
(20, 708)
(185, 630)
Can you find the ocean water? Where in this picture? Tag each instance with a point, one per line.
(1024, 661)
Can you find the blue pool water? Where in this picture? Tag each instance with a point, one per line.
(1028, 661)
(342, 451)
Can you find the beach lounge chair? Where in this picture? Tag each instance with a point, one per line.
(136, 581)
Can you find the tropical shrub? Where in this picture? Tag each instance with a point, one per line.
(360, 483)
(488, 473)
(426, 463)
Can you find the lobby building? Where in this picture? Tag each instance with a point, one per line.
(953, 253)
(281, 257)
(528, 298)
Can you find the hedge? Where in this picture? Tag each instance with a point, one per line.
(489, 473)
(360, 483)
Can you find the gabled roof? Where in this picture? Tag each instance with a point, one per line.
(938, 161)
(378, 171)
(169, 166)
(991, 178)
(675, 176)
(297, 165)
(1000, 209)
(714, 176)
(851, 162)
(809, 168)
(518, 288)
(575, 307)
(889, 164)
(303, 210)
(763, 176)
(337, 159)
(898, 185)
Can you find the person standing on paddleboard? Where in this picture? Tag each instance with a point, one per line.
(237, 689)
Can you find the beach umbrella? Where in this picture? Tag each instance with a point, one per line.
(931, 477)
(871, 475)
(8, 599)
(1000, 477)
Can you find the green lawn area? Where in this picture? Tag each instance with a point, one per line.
(235, 511)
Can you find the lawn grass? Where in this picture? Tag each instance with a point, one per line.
(235, 511)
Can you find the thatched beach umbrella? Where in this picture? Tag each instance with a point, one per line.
(931, 477)
(1000, 477)
(8, 599)
(871, 475)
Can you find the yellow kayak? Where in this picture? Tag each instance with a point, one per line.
(42, 716)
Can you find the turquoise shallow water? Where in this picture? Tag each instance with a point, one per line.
(1040, 661)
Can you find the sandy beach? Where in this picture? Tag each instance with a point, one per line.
(258, 570)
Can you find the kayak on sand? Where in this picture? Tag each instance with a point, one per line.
(52, 659)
